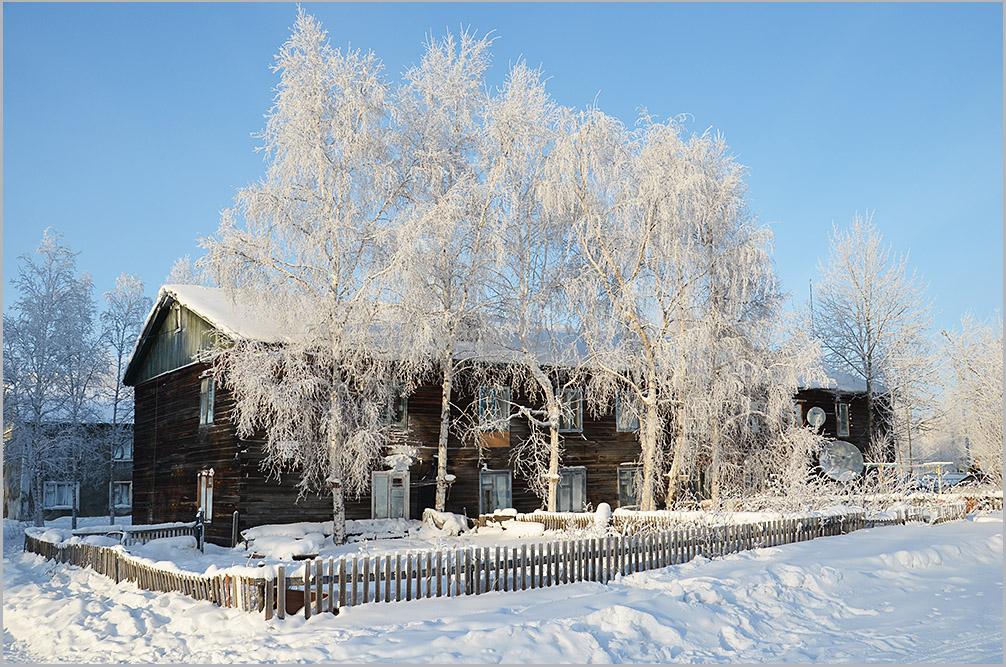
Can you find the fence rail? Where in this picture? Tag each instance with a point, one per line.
(330, 584)
(129, 535)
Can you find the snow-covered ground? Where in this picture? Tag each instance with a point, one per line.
(904, 594)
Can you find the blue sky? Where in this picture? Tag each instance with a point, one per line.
(128, 126)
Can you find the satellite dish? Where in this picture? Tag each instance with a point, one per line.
(816, 417)
(841, 461)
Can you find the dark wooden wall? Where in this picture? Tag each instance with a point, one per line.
(827, 400)
(170, 447)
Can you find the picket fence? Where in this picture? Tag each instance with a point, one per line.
(328, 584)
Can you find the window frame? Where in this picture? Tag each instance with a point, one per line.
(842, 421)
(207, 400)
(484, 476)
(628, 469)
(564, 401)
(398, 396)
(385, 502)
(620, 398)
(798, 416)
(128, 485)
(568, 476)
(55, 485)
(204, 494)
(501, 396)
(126, 444)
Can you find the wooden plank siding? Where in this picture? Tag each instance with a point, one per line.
(828, 400)
(171, 447)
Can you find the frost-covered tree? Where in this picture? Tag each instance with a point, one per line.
(676, 296)
(870, 312)
(447, 243)
(126, 307)
(975, 396)
(51, 369)
(304, 250)
(530, 311)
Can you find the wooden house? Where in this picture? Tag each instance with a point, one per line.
(187, 453)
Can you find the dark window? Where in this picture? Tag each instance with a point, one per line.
(630, 478)
(496, 492)
(494, 409)
(396, 412)
(571, 411)
(626, 413)
(122, 450)
(206, 391)
(572, 495)
(842, 417)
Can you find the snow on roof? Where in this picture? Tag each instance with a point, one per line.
(841, 381)
(218, 308)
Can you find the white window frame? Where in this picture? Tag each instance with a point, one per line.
(204, 494)
(207, 398)
(383, 485)
(842, 420)
(628, 470)
(499, 421)
(128, 486)
(51, 488)
(620, 408)
(571, 495)
(488, 481)
(571, 403)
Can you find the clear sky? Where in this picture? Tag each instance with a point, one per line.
(128, 126)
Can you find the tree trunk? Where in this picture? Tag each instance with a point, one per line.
(553, 456)
(445, 424)
(335, 480)
(648, 425)
(714, 464)
(677, 463)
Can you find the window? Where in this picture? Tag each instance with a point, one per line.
(494, 408)
(842, 417)
(572, 495)
(122, 450)
(396, 412)
(60, 495)
(626, 413)
(206, 391)
(204, 494)
(798, 414)
(390, 495)
(175, 318)
(571, 411)
(496, 492)
(122, 494)
(630, 478)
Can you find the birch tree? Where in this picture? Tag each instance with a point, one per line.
(447, 247)
(529, 307)
(870, 310)
(46, 361)
(303, 250)
(975, 396)
(126, 307)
